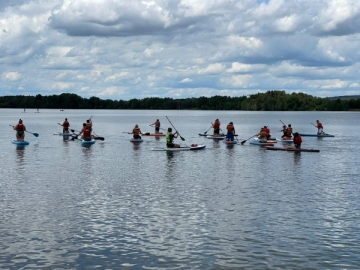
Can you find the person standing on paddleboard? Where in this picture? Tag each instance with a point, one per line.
(157, 126)
(319, 127)
(136, 131)
(66, 126)
(230, 132)
(89, 125)
(20, 131)
(216, 127)
(297, 140)
(170, 139)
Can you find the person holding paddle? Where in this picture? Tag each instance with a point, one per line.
(157, 126)
(230, 132)
(170, 139)
(136, 131)
(89, 124)
(216, 127)
(65, 126)
(297, 140)
(86, 133)
(20, 131)
(320, 127)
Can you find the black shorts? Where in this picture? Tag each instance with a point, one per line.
(170, 145)
(137, 137)
(216, 131)
(20, 133)
(157, 128)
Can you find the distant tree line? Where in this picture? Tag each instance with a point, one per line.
(273, 100)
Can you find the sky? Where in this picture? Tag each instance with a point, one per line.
(115, 49)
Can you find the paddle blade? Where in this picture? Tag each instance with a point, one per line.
(243, 142)
(36, 134)
(99, 138)
(182, 138)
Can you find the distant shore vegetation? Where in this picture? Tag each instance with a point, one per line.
(274, 100)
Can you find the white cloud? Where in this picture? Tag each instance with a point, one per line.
(147, 48)
(11, 76)
(212, 69)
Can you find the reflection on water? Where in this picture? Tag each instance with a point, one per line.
(120, 206)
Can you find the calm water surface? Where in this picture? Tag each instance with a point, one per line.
(117, 205)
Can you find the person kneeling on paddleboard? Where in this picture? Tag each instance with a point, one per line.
(297, 140)
(230, 132)
(262, 135)
(136, 131)
(86, 133)
(170, 139)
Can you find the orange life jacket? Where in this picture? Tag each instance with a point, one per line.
(289, 131)
(230, 128)
(136, 131)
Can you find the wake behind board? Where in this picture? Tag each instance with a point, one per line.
(63, 134)
(183, 148)
(291, 149)
(316, 135)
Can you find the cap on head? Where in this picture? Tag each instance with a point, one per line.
(20, 121)
(296, 133)
(136, 125)
(317, 120)
(231, 123)
(157, 119)
(66, 119)
(265, 126)
(289, 125)
(84, 124)
(169, 129)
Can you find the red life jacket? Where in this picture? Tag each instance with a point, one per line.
(319, 125)
(20, 127)
(297, 140)
(216, 125)
(66, 124)
(86, 133)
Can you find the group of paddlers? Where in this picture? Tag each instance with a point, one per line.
(263, 135)
(85, 131)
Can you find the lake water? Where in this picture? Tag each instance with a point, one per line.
(116, 205)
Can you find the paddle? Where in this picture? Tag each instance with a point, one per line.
(208, 129)
(98, 137)
(175, 129)
(244, 141)
(35, 134)
(317, 127)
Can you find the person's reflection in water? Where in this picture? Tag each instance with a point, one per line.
(169, 155)
(297, 158)
(20, 158)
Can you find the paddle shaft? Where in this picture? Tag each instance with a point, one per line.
(209, 128)
(244, 141)
(35, 134)
(175, 129)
